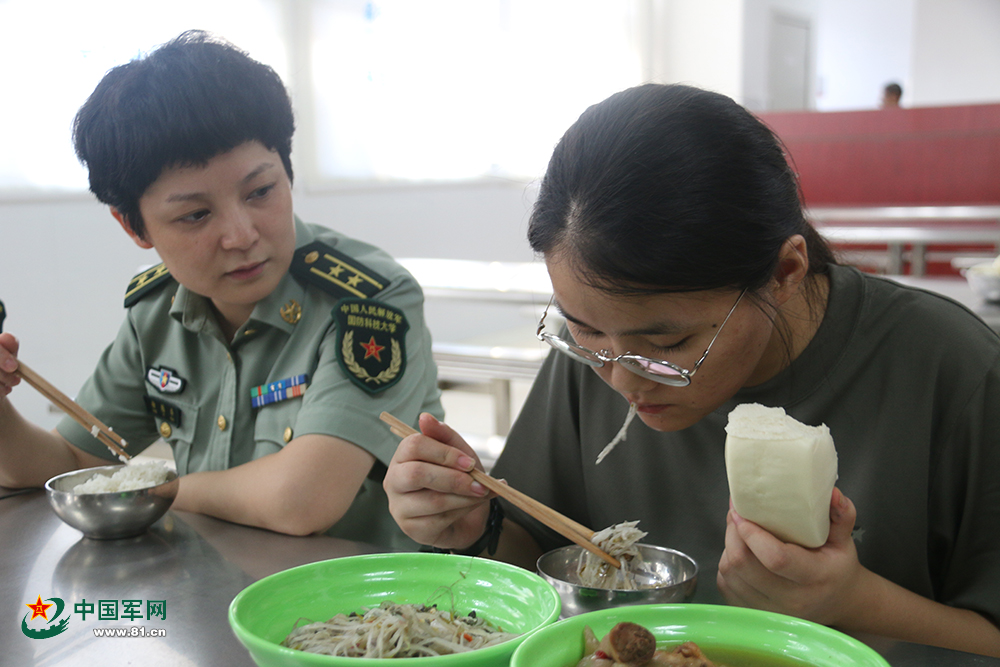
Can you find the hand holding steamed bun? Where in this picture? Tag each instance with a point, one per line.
(788, 535)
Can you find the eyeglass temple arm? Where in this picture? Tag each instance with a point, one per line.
(716, 336)
(541, 322)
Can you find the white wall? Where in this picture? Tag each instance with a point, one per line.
(956, 55)
(64, 265)
(862, 46)
(941, 51)
(697, 43)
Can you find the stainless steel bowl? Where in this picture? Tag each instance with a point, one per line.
(677, 574)
(107, 516)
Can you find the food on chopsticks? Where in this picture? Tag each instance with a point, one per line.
(632, 645)
(619, 541)
(132, 476)
(97, 428)
(396, 631)
(781, 473)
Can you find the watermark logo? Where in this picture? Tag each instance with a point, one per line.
(40, 609)
(43, 616)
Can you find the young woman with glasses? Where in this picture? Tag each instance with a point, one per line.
(690, 282)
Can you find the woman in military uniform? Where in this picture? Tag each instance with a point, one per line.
(261, 348)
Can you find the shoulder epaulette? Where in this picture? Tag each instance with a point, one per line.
(146, 282)
(334, 272)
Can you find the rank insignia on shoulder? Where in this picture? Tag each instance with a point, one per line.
(165, 410)
(166, 380)
(371, 342)
(146, 282)
(334, 272)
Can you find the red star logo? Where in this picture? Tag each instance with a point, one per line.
(372, 349)
(38, 609)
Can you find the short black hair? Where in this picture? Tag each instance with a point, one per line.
(894, 89)
(187, 101)
(664, 188)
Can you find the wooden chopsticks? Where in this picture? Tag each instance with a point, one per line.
(105, 435)
(551, 518)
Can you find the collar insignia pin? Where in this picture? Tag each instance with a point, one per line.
(291, 312)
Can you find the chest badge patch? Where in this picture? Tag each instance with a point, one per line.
(371, 342)
(165, 410)
(166, 380)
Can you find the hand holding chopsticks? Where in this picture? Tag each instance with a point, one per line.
(554, 520)
(108, 438)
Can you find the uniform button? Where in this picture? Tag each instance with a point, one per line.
(165, 429)
(221, 421)
(288, 434)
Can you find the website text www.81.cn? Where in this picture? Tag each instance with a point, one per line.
(132, 631)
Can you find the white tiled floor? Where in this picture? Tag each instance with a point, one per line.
(469, 412)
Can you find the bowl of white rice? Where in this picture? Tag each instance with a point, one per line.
(116, 501)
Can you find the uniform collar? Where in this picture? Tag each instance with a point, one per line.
(287, 295)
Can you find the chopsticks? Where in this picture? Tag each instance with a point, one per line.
(551, 518)
(105, 435)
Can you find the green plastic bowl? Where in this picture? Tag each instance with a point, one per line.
(517, 600)
(761, 637)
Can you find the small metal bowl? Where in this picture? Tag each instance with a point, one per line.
(677, 572)
(108, 516)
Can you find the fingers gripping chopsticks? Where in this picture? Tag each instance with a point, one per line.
(548, 516)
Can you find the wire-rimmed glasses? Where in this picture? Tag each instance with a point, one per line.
(657, 370)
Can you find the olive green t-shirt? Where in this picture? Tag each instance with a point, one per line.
(908, 383)
(170, 373)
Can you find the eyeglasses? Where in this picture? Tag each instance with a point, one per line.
(657, 370)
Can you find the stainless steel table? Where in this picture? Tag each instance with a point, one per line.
(193, 563)
(196, 565)
(916, 227)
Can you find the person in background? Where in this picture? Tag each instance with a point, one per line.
(261, 348)
(891, 96)
(690, 282)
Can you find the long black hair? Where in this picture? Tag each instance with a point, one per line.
(665, 188)
(189, 100)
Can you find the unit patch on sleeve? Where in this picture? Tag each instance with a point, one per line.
(166, 380)
(145, 282)
(371, 342)
(334, 272)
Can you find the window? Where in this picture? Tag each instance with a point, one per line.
(54, 54)
(398, 90)
(453, 89)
